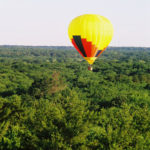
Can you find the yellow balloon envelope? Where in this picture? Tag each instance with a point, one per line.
(90, 34)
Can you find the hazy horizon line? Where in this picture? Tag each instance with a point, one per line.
(2, 45)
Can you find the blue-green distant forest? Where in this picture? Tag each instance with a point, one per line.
(50, 101)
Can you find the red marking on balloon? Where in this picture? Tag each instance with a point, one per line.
(89, 48)
(76, 47)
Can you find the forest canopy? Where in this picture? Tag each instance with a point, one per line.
(50, 101)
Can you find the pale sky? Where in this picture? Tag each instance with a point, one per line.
(45, 22)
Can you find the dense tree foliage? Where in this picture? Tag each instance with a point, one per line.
(50, 101)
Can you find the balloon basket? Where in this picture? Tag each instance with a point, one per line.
(90, 68)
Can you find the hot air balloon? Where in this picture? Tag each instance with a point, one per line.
(90, 34)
